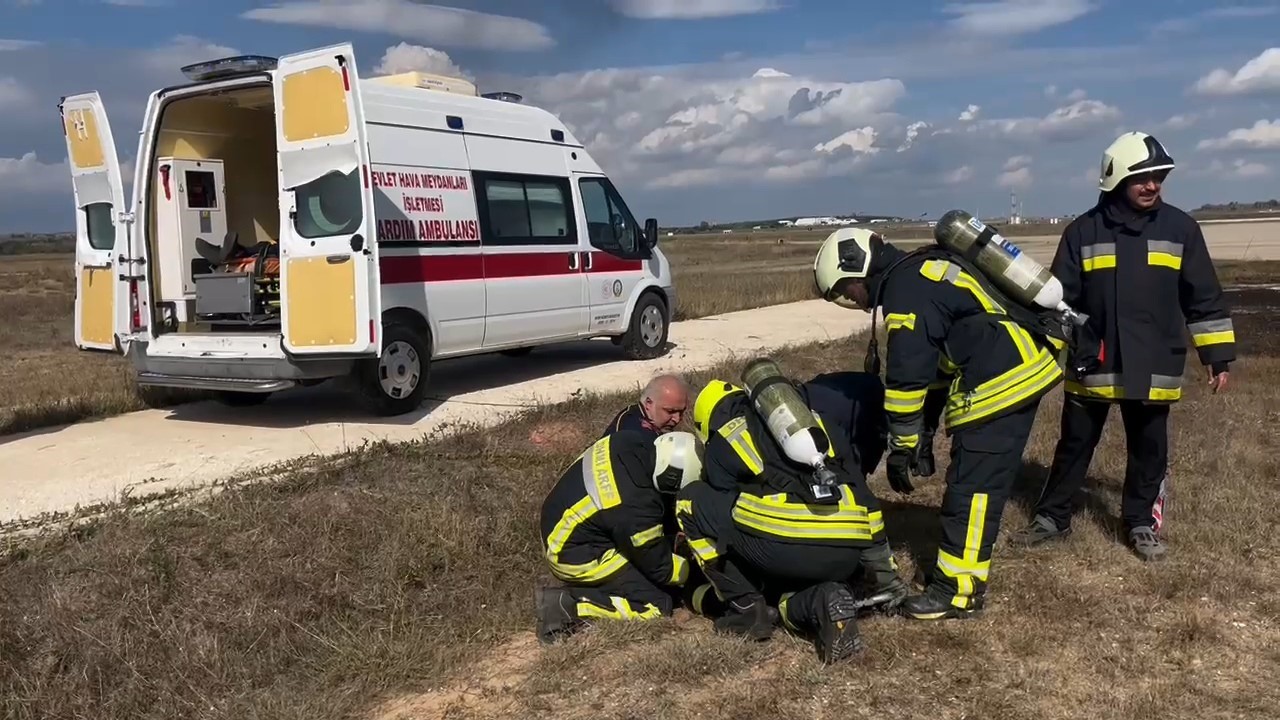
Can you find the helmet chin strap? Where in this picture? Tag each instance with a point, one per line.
(871, 362)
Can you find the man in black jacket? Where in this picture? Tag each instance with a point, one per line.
(1140, 269)
(603, 535)
(943, 322)
(761, 538)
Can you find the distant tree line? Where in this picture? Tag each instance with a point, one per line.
(32, 243)
(1272, 205)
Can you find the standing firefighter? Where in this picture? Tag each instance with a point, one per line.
(942, 320)
(1140, 269)
(603, 535)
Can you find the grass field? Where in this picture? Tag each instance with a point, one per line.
(397, 583)
(49, 382)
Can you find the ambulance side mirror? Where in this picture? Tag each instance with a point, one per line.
(651, 233)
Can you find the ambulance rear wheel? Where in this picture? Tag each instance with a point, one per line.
(646, 337)
(395, 383)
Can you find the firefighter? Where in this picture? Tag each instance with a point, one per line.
(1140, 269)
(761, 537)
(603, 536)
(941, 321)
(661, 407)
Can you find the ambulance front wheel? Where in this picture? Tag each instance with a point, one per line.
(646, 337)
(395, 383)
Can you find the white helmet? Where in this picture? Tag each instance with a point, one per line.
(844, 255)
(1130, 154)
(678, 461)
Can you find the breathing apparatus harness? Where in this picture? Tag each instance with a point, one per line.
(1083, 344)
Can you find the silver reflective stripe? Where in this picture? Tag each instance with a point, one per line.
(1164, 246)
(1089, 251)
(1210, 326)
(735, 431)
(1166, 382)
(1103, 380)
(589, 480)
(952, 274)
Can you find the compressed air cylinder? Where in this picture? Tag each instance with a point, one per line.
(788, 418)
(1015, 272)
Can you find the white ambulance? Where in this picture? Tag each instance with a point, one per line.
(292, 222)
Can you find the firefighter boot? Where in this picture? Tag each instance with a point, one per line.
(1041, 529)
(1145, 544)
(829, 611)
(888, 589)
(934, 604)
(557, 613)
(750, 617)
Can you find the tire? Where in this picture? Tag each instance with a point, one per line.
(235, 398)
(405, 363)
(646, 336)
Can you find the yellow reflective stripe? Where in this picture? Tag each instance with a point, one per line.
(934, 269)
(1099, 262)
(699, 597)
(905, 442)
(831, 446)
(703, 549)
(966, 281)
(966, 569)
(589, 572)
(1022, 339)
(1161, 259)
(894, 321)
(1155, 392)
(679, 570)
(574, 516)
(621, 610)
(735, 431)
(684, 507)
(1004, 390)
(598, 470)
(646, 536)
(774, 515)
(1214, 338)
(904, 401)
(782, 612)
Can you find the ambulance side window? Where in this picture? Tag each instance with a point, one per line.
(609, 222)
(329, 205)
(100, 226)
(524, 209)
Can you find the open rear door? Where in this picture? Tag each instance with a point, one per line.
(102, 301)
(328, 249)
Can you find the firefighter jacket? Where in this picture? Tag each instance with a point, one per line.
(605, 513)
(630, 418)
(855, 401)
(1141, 278)
(773, 497)
(944, 330)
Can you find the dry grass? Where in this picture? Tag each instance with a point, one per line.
(48, 382)
(397, 583)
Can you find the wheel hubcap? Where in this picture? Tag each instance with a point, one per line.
(399, 369)
(651, 325)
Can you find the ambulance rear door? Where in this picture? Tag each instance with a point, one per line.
(102, 300)
(329, 273)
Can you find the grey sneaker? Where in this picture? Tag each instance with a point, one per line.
(1145, 544)
(1040, 530)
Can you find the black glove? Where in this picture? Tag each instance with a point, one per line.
(923, 466)
(898, 467)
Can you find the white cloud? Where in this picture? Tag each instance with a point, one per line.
(9, 45)
(1017, 161)
(1259, 75)
(1012, 17)
(435, 24)
(1067, 123)
(1181, 121)
(861, 140)
(14, 96)
(691, 9)
(970, 113)
(183, 50)
(27, 175)
(914, 131)
(959, 176)
(1238, 169)
(1017, 173)
(1193, 22)
(406, 58)
(1263, 135)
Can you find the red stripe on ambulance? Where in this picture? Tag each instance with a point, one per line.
(401, 269)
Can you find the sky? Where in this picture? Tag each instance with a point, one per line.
(724, 110)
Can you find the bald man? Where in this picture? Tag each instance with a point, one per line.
(662, 405)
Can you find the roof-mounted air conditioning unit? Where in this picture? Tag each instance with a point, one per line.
(429, 81)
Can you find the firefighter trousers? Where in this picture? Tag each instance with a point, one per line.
(985, 461)
(1147, 442)
(744, 568)
(626, 595)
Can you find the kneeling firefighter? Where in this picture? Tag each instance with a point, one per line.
(603, 536)
(783, 516)
(944, 316)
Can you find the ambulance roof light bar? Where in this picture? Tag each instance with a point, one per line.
(228, 67)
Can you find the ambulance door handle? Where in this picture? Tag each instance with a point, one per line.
(573, 261)
(587, 261)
